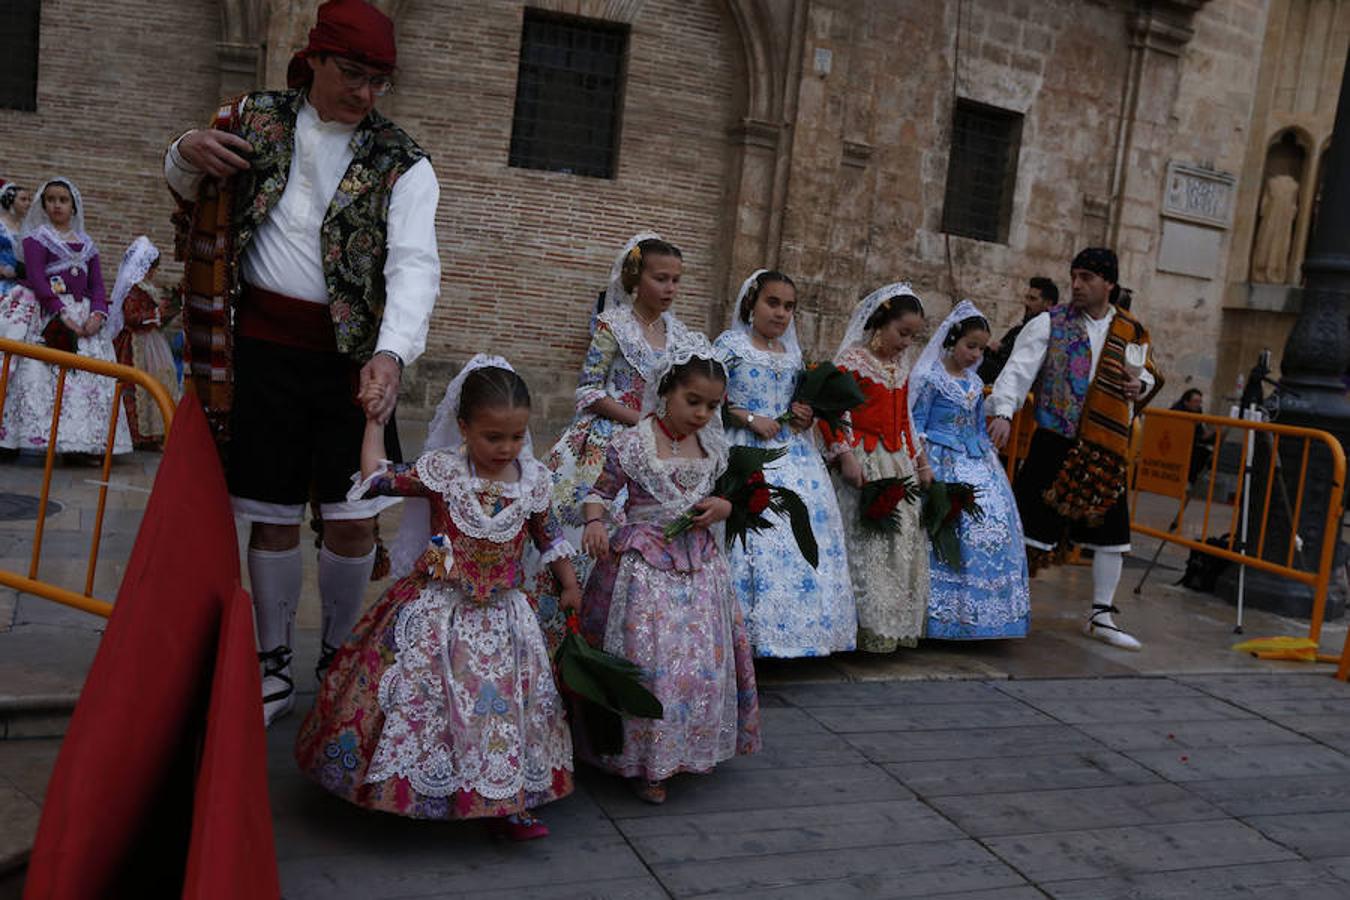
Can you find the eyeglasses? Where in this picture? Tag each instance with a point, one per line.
(355, 79)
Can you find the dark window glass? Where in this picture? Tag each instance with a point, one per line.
(568, 94)
(981, 171)
(19, 21)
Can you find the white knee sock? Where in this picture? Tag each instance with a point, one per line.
(275, 576)
(1106, 568)
(342, 585)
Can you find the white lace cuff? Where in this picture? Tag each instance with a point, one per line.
(563, 549)
(361, 485)
(596, 498)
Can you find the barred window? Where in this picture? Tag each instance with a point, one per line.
(19, 62)
(568, 94)
(981, 171)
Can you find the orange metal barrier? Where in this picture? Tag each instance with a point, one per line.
(1254, 554)
(123, 375)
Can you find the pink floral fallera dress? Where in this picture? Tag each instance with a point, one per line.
(442, 704)
(617, 365)
(669, 607)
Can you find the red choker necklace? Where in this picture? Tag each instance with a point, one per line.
(674, 438)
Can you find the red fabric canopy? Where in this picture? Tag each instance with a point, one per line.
(160, 788)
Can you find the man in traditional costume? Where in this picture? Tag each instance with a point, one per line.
(308, 230)
(1091, 365)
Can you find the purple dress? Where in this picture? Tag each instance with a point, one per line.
(64, 276)
(669, 607)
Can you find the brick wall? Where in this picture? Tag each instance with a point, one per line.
(525, 251)
(892, 86)
(116, 82)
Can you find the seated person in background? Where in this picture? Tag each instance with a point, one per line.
(1202, 444)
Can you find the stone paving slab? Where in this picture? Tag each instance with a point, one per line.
(733, 786)
(412, 870)
(1302, 710)
(599, 888)
(1249, 686)
(1311, 834)
(1095, 688)
(928, 716)
(669, 840)
(1183, 735)
(922, 870)
(1035, 812)
(1257, 796)
(970, 743)
(803, 749)
(853, 694)
(20, 815)
(1104, 852)
(1094, 711)
(1208, 763)
(1268, 881)
(945, 777)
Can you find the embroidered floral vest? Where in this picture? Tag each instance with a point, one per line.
(352, 237)
(1066, 373)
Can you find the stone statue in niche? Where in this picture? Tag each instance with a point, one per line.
(1275, 232)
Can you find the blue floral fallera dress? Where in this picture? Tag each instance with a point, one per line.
(790, 609)
(989, 597)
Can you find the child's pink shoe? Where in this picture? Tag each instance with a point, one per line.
(518, 827)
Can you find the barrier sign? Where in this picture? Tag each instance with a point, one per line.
(1164, 459)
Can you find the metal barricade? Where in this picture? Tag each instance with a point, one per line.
(64, 363)
(1282, 561)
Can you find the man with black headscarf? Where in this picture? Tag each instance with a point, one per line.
(1092, 365)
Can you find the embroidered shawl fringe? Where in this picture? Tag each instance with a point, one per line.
(203, 241)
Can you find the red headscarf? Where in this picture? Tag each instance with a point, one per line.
(350, 28)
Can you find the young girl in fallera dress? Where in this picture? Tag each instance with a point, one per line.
(62, 268)
(791, 609)
(442, 704)
(630, 340)
(987, 596)
(668, 605)
(889, 569)
(137, 313)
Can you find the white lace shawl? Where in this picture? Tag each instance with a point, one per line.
(627, 331)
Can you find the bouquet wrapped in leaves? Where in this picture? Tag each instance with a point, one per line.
(751, 496)
(880, 502)
(829, 391)
(943, 505)
(605, 687)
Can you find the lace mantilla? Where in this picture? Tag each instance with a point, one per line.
(447, 473)
(861, 360)
(743, 347)
(627, 331)
(67, 259)
(947, 385)
(675, 484)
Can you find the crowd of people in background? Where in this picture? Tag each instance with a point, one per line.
(53, 293)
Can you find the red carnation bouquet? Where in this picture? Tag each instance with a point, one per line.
(881, 499)
(943, 505)
(751, 496)
(829, 391)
